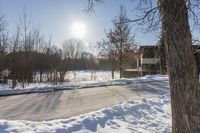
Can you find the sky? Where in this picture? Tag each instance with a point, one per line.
(56, 17)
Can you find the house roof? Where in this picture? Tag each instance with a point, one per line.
(149, 51)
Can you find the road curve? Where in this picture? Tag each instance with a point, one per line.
(66, 103)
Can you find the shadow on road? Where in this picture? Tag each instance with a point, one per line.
(158, 88)
(29, 106)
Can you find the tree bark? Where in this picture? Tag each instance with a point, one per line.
(120, 61)
(182, 68)
(41, 76)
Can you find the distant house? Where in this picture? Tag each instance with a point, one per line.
(148, 61)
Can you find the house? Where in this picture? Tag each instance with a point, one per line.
(148, 61)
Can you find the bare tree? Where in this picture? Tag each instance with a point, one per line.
(25, 26)
(3, 36)
(4, 44)
(120, 41)
(72, 50)
(89, 61)
(24, 45)
(109, 51)
(93, 60)
(15, 41)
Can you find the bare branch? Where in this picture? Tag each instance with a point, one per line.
(92, 4)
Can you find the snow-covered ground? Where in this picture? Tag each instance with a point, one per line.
(89, 75)
(142, 116)
(45, 87)
(84, 75)
(148, 115)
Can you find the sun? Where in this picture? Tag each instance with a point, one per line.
(78, 30)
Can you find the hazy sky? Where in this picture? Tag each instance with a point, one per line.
(55, 18)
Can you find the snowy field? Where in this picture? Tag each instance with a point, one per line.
(86, 75)
(142, 116)
(47, 87)
(89, 75)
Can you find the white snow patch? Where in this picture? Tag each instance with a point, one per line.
(47, 87)
(150, 115)
(83, 75)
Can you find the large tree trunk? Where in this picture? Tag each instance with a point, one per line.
(182, 68)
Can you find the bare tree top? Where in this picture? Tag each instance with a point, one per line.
(148, 17)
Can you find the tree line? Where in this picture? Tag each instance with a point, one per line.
(26, 55)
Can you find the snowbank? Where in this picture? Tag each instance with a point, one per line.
(40, 88)
(145, 116)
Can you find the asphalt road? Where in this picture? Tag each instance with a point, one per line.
(62, 104)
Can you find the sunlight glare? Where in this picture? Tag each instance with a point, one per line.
(78, 30)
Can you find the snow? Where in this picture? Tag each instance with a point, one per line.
(47, 87)
(87, 75)
(83, 75)
(150, 115)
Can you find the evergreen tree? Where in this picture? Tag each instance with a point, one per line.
(163, 60)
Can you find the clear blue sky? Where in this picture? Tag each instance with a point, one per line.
(55, 17)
